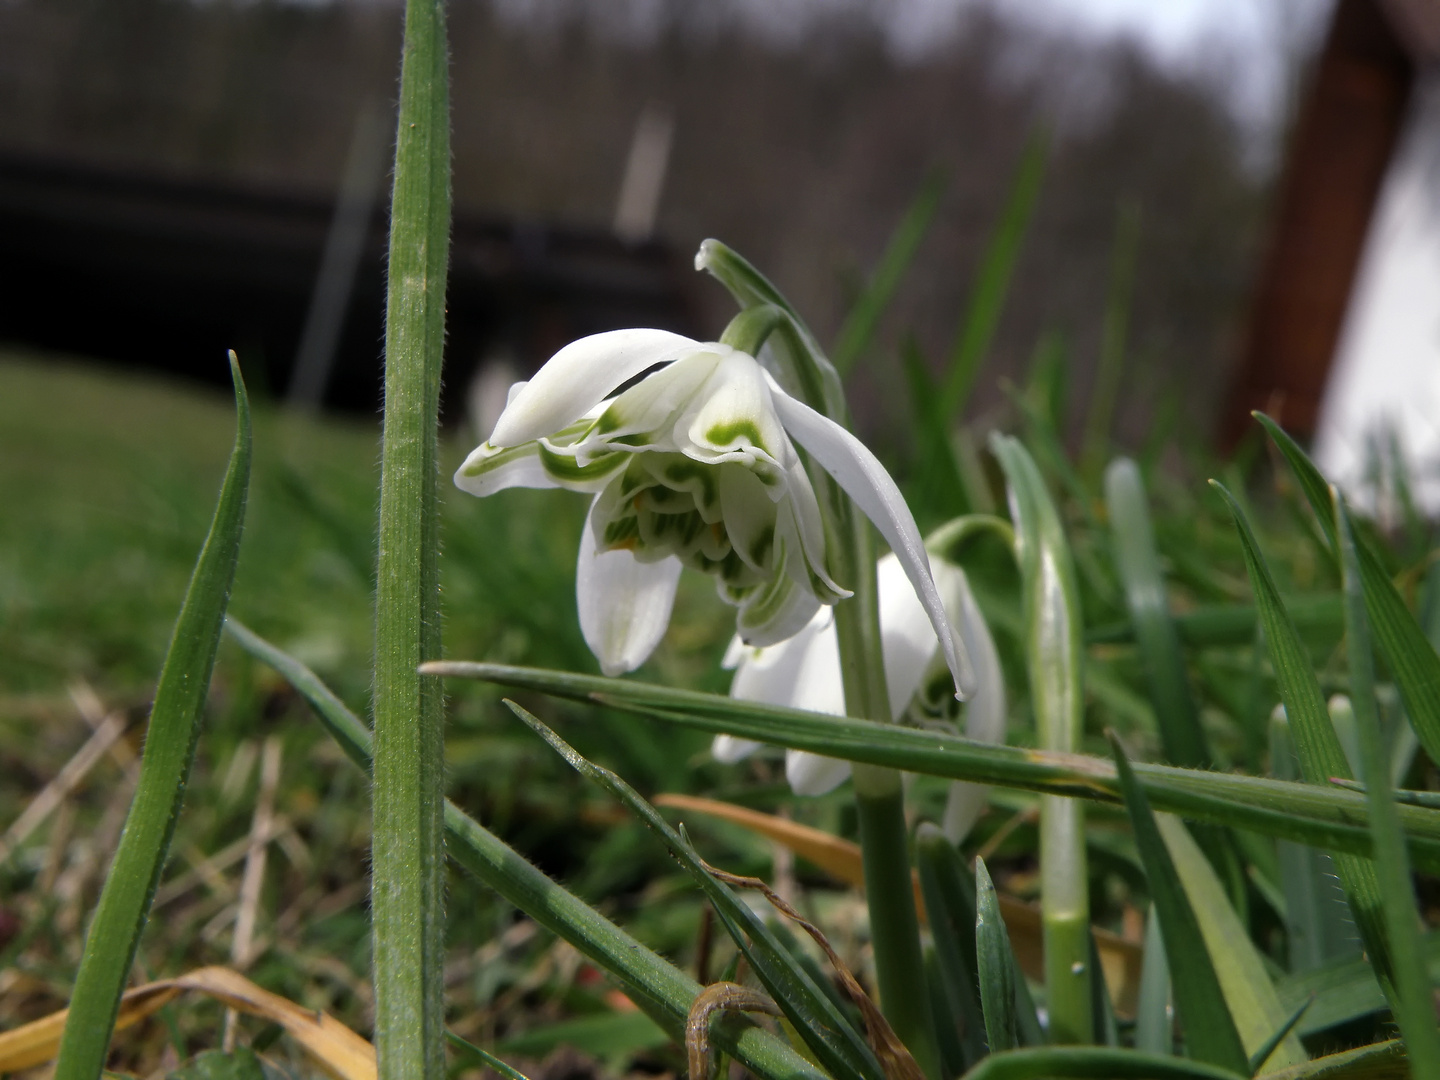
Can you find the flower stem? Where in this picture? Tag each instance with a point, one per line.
(408, 860)
(880, 808)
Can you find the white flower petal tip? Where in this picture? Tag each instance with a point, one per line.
(624, 604)
(963, 807)
(728, 749)
(705, 254)
(812, 774)
(580, 376)
(862, 477)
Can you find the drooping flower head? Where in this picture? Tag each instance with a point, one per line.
(692, 465)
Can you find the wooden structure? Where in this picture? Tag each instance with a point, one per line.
(167, 274)
(1342, 146)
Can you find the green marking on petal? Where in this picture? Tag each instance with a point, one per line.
(566, 470)
(500, 457)
(620, 533)
(730, 431)
(763, 546)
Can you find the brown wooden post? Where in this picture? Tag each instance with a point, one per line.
(1341, 148)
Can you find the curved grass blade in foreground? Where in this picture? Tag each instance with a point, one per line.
(170, 740)
(1325, 816)
(661, 990)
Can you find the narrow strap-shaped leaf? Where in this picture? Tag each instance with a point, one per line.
(1154, 1031)
(1270, 1045)
(950, 906)
(1254, 1003)
(1209, 1029)
(1133, 540)
(1321, 755)
(826, 1031)
(1092, 1063)
(1054, 664)
(1318, 924)
(662, 990)
(1412, 1001)
(170, 740)
(1346, 991)
(1327, 816)
(995, 966)
(1402, 641)
(859, 326)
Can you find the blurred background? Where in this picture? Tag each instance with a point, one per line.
(170, 170)
(1130, 222)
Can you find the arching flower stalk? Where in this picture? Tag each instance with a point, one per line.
(693, 465)
(804, 673)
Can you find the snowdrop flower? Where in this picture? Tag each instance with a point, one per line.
(692, 465)
(804, 673)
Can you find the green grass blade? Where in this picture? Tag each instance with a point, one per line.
(1270, 1045)
(949, 894)
(1327, 816)
(859, 326)
(1154, 1030)
(1378, 1061)
(1318, 925)
(995, 966)
(1255, 1004)
(1053, 659)
(992, 283)
(407, 904)
(483, 1058)
(1321, 755)
(662, 990)
(826, 1031)
(1208, 626)
(1092, 1063)
(1133, 539)
(1347, 990)
(1410, 655)
(1210, 1033)
(170, 739)
(1413, 1000)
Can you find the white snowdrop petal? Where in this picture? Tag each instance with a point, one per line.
(728, 749)
(487, 470)
(581, 375)
(862, 477)
(812, 774)
(624, 603)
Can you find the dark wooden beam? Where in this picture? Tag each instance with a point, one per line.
(1342, 146)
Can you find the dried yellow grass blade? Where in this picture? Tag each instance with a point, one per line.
(1120, 959)
(337, 1049)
